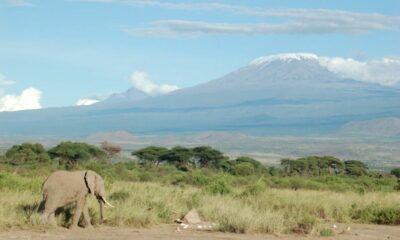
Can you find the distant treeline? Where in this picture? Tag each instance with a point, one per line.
(69, 154)
(198, 166)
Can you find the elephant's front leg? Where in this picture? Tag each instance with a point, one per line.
(78, 212)
(86, 216)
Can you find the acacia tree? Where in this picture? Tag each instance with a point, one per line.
(151, 155)
(313, 166)
(179, 156)
(355, 168)
(27, 153)
(74, 152)
(245, 166)
(205, 156)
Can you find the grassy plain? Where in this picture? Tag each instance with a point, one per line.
(241, 205)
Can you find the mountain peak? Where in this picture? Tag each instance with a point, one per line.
(286, 57)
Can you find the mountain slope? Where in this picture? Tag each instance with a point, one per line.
(382, 127)
(278, 95)
(127, 97)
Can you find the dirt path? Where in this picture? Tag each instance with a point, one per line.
(361, 232)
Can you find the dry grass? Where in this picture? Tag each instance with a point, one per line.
(147, 204)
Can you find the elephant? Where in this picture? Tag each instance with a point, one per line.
(63, 187)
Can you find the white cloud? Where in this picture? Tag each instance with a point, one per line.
(141, 81)
(29, 99)
(86, 102)
(318, 24)
(21, 3)
(5, 81)
(302, 21)
(385, 71)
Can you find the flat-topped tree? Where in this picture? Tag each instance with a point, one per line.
(151, 155)
(71, 153)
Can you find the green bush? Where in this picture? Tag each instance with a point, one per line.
(395, 172)
(305, 225)
(253, 189)
(373, 213)
(195, 178)
(27, 153)
(327, 232)
(242, 169)
(219, 186)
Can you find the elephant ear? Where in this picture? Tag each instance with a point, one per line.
(90, 181)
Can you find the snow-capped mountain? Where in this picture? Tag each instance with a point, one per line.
(286, 94)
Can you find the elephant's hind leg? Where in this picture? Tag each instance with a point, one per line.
(48, 214)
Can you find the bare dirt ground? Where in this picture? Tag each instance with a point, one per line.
(358, 231)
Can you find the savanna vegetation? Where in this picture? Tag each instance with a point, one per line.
(240, 195)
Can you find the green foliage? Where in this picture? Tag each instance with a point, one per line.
(194, 178)
(373, 213)
(327, 232)
(395, 172)
(70, 153)
(320, 166)
(312, 166)
(14, 182)
(254, 189)
(355, 168)
(274, 171)
(205, 156)
(179, 156)
(27, 153)
(120, 196)
(150, 155)
(245, 188)
(246, 166)
(219, 186)
(305, 225)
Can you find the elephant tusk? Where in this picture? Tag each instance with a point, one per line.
(105, 201)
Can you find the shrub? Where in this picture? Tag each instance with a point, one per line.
(219, 186)
(355, 168)
(373, 213)
(327, 232)
(395, 172)
(253, 190)
(242, 169)
(305, 225)
(27, 153)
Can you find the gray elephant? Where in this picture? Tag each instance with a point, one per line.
(62, 188)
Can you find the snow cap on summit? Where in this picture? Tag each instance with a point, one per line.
(287, 57)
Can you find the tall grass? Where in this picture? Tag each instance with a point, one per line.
(252, 209)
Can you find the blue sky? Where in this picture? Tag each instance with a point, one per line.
(74, 49)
